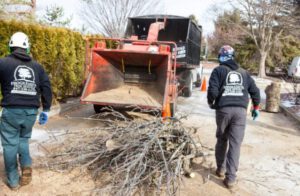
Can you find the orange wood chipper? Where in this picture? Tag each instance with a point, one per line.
(159, 59)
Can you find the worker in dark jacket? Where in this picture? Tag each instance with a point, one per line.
(228, 93)
(23, 83)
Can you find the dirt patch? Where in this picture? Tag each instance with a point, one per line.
(46, 182)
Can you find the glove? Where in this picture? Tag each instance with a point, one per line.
(43, 118)
(211, 105)
(255, 112)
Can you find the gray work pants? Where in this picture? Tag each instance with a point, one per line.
(231, 123)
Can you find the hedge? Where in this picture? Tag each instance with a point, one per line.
(60, 51)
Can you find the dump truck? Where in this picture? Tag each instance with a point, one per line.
(158, 59)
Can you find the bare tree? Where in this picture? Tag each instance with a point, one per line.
(109, 17)
(226, 33)
(296, 15)
(266, 22)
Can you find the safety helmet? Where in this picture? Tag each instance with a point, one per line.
(19, 40)
(226, 53)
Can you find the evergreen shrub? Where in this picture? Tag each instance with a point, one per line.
(60, 51)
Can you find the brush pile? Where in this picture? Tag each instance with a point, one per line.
(137, 154)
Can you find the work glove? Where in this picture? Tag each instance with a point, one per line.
(255, 112)
(211, 105)
(43, 118)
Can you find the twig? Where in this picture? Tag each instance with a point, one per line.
(145, 154)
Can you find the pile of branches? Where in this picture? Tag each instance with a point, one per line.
(137, 154)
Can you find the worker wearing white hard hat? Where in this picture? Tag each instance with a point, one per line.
(24, 83)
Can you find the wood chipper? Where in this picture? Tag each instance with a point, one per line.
(139, 71)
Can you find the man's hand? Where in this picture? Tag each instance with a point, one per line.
(211, 105)
(255, 112)
(43, 118)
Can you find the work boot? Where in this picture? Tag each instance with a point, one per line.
(229, 184)
(26, 176)
(220, 172)
(14, 188)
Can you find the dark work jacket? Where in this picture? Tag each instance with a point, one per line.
(230, 85)
(24, 82)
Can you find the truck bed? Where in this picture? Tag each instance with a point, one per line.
(129, 94)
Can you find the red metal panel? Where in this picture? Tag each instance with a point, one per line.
(107, 71)
(154, 31)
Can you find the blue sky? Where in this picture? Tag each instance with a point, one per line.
(200, 8)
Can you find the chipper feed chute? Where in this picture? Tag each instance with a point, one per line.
(120, 77)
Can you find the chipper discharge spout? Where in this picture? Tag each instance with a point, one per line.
(135, 73)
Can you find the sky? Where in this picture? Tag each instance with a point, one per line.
(200, 8)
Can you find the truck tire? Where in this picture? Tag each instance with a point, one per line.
(97, 108)
(198, 82)
(173, 107)
(188, 89)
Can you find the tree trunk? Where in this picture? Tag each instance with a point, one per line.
(273, 97)
(33, 8)
(262, 64)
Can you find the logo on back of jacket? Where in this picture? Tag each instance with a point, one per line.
(24, 82)
(234, 84)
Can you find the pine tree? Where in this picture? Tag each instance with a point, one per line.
(55, 16)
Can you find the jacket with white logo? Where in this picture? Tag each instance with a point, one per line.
(230, 85)
(24, 82)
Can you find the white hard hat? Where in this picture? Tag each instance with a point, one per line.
(19, 40)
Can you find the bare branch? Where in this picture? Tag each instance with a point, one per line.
(109, 17)
(147, 154)
(266, 20)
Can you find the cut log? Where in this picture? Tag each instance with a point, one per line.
(273, 97)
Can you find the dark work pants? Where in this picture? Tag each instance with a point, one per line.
(15, 129)
(231, 123)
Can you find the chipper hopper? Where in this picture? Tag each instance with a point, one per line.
(160, 57)
(134, 73)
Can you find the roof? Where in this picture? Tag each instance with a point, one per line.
(167, 17)
(160, 16)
